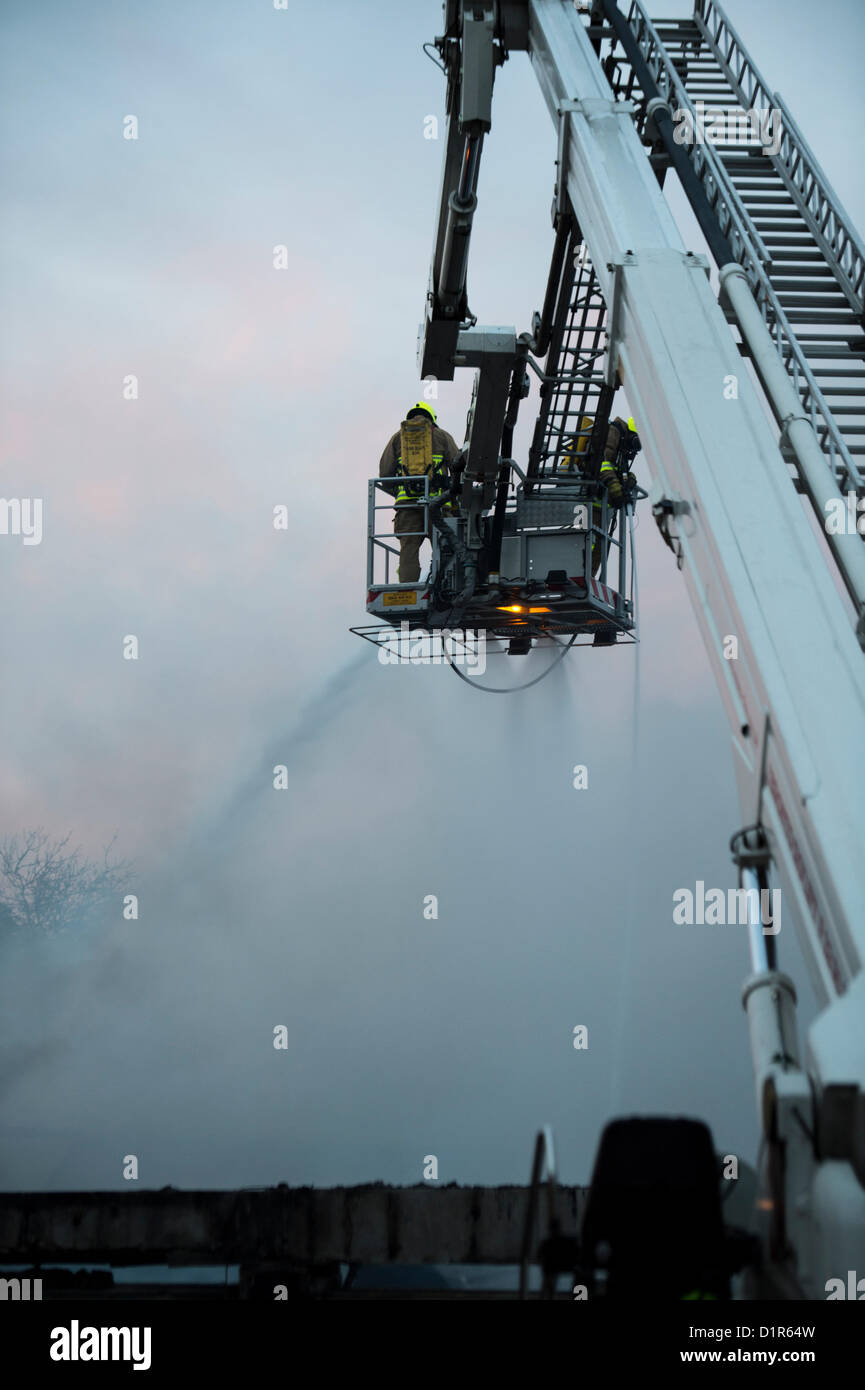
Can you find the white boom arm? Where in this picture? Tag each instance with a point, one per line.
(754, 571)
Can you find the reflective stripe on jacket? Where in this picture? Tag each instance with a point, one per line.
(414, 490)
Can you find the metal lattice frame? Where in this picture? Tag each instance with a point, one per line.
(578, 384)
(805, 180)
(573, 374)
(807, 186)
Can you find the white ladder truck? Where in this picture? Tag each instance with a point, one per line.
(745, 373)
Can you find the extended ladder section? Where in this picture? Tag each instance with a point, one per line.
(785, 226)
(574, 395)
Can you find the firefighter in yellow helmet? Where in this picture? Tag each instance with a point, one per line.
(420, 446)
(622, 446)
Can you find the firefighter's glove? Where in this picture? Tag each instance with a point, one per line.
(621, 490)
(615, 492)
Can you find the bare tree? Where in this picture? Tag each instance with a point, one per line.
(47, 887)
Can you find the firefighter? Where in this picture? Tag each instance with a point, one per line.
(419, 447)
(622, 446)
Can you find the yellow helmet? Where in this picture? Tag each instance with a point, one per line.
(631, 425)
(425, 406)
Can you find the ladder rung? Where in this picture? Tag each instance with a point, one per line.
(784, 243)
(767, 219)
(824, 355)
(763, 187)
(839, 391)
(750, 167)
(794, 275)
(725, 149)
(820, 350)
(817, 300)
(822, 316)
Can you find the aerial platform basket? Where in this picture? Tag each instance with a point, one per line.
(542, 594)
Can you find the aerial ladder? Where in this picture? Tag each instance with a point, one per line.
(744, 369)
